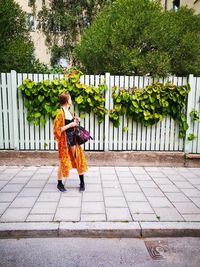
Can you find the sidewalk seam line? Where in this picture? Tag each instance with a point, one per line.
(103, 193)
(124, 193)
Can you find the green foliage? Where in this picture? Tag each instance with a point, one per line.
(16, 48)
(194, 114)
(151, 104)
(45, 69)
(41, 98)
(65, 20)
(191, 137)
(56, 53)
(138, 37)
(147, 105)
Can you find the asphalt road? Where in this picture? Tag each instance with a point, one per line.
(94, 252)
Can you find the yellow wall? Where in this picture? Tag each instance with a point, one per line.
(189, 3)
(41, 51)
(192, 4)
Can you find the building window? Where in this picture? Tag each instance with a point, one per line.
(30, 22)
(63, 62)
(176, 5)
(55, 23)
(86, 22)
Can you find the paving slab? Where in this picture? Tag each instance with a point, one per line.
(67, 214)
(15, 215)
(118, 214)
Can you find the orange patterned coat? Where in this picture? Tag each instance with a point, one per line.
(67, 159)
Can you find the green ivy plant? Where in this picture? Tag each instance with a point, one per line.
(41, 98)
(147, 105)
(151, 104)
(191, 137)
(194, 115)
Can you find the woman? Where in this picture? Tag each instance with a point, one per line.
(70, 153)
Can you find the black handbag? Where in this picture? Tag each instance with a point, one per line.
(81, 135)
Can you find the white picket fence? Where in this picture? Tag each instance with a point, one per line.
(17, 133)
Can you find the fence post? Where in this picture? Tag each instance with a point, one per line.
(14, 108)
(190, 105)
(107, 106)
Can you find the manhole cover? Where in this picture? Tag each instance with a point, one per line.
(158, 250)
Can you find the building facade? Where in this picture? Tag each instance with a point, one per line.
(41, 50)
(175, 4)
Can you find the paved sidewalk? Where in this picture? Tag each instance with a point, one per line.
(119, 194)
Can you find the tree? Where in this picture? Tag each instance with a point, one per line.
(63, 22)
(16, 48)
(138, 37)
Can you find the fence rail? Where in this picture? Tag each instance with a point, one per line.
(17, 133)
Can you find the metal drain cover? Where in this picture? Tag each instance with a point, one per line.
(158, 250)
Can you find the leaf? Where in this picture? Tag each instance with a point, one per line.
(118, 100)
(40, 98)
(53, 114)
(47, 108)
(43, 121)
(88, 90)
(157, 116)
(191, 137)
(27, 92)
(117, 107)
(135, 104)
(37, 115)
(30, 84)
(96, 97)
(82, 115)
(78, 85)
(114, 88)
(152, 99)
(79, 99)
(55, 82)
(125, 96)
(125, 129)
(46, 83)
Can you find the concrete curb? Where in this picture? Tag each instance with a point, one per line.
(170, 229)
(100, 229)
(109, 158)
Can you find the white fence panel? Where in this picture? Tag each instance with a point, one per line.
(5, 112)
(1, 116)
(18, 133)
(194, 126)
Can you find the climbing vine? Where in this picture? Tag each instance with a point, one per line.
(194, 116)
(147, 105)
(41, 98)
(151, 104)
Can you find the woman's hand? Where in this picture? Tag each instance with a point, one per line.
(77, 119)
(73, 124)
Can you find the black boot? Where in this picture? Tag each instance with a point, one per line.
(60, 186)
(82, 184)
